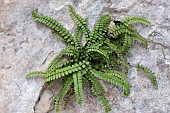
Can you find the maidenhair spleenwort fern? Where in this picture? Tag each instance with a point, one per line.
(105, 49)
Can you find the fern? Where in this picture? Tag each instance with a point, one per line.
(77, 37)
(114, 78)
(105, 103)
(135, 19)
(122, 62)
(50, 22)
(124, 28)
(36, 73)
(53, 74)
(97, 50)
(141, 40)
(99, 30)
(97, 90)
(78, 88)
(62, 93)
(149, 73)
(82, 23)
(101, 58)
(126, 45)
(56, 65)
(121, 29)
(69, 51)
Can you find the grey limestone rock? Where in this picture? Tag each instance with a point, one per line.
(26, 46)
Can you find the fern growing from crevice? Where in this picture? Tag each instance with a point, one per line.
(105, 49)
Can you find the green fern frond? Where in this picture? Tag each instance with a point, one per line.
(126, 45)
(60, 64)
(99, 30)
(78, 87)
(141, 40)
(105, 103)
(149, 73)
(69, 51)
(118, 76)
(78, 33)
(94, 49)
(53, 74)
(97, 85)
(85, 80)
(50, 22)
(135, 19)
(58, 73)
(98, 91)
(114, 78)
(128, 30)
(122, 62)
(63, 91)
(77, 37)
(121, 29)
(102, 24)
(36, 73)
(82, 23)
(113, 47)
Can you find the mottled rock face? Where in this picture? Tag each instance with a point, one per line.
(26, 46)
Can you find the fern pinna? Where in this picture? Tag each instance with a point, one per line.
(105, 49)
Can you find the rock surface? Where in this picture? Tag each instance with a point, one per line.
(26, 46)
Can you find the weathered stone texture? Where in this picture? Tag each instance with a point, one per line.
(26, 46)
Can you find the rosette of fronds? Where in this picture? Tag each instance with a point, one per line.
(105, 49)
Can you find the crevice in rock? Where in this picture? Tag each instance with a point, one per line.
(18, 88)
(151, 41)
(163, 53)
(111, 9)
(161, 46)
(51, 108)
(52, 100)
(163, 26)
(54, 90)
(49, 54)
(39, 97)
